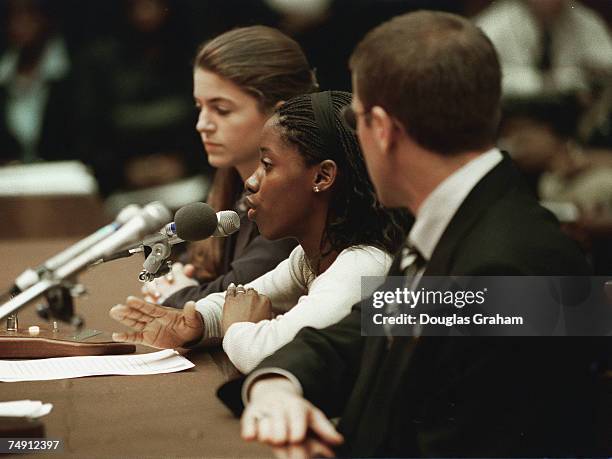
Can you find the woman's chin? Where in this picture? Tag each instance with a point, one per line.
(266, 233)
(218, 161)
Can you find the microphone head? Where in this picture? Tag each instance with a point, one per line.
(195, 221)
(229, 223)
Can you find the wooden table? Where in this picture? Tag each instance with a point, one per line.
(165, 415)
(50, 216)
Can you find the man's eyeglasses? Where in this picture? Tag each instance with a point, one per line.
(350, 116)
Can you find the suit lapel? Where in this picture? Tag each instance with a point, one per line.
(366, 419)
(370, 401)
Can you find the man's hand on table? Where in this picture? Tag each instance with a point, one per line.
(310, 448)
(277, 414)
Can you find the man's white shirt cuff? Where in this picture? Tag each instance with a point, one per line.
(257, 374)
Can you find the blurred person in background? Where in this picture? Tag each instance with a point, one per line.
(134, 103)
(239, 78)
(36, 117)
(555, 52)
(570, 178)
(547, 46)
(317, 23)
(556, 58)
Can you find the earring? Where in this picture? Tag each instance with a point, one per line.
(316, 189)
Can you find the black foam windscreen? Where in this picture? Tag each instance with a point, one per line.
(195, 221)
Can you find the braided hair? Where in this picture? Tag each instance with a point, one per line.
(355, 215)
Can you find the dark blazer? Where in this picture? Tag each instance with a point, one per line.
(246, 256)
(476, 396)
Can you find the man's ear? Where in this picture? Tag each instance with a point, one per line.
(277, 105)
(384, 128)
(325, 175)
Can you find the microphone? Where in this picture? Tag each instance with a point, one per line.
(198, 220)
(229, 223)
(193, 222)
(31, 276)
(151, 218)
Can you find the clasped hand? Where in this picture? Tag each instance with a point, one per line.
(157, 326)
(244, 305)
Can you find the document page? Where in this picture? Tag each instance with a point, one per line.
(166, 361)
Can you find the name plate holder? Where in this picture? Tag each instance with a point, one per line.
(36, 343)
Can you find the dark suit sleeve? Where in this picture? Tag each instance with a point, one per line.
(324, 361)
(259, 257)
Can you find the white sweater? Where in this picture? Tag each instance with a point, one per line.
(299, 299)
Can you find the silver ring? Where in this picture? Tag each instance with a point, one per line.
(240, 289)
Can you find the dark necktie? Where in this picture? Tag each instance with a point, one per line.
(411, 263)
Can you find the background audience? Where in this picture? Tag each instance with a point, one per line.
(109, 83)
(36, 105)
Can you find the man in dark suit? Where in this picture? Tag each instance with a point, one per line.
(426, 109)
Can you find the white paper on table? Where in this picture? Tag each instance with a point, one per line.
(25, 408)
(166, 361)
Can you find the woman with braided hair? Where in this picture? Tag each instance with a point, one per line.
(311, 185)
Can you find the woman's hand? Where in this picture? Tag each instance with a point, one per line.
(157, 326)
(244, 305)
(158, 290)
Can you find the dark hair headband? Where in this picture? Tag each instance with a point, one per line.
(323, 109)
